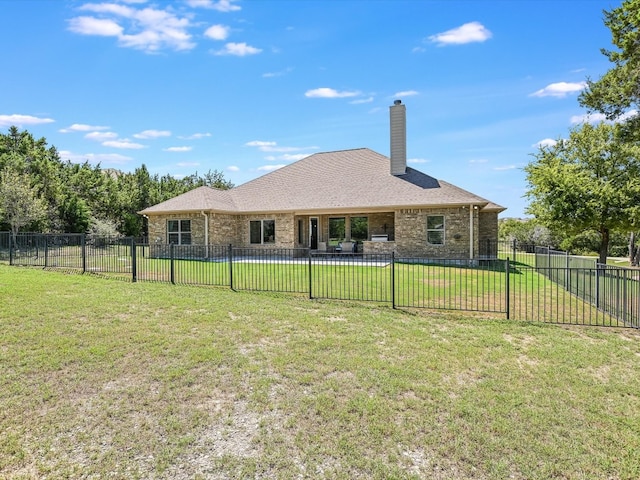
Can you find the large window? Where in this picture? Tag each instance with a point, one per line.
(359, 228)
(262, 231)
(435, 229)
(179, 232)
(336, 230)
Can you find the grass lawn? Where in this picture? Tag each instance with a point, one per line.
(107, 379)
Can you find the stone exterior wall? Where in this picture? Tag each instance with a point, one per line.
(378, 248)
(489, 226)
(382, 224)
(407, 230)
(285, 230)
(158, 227)
(411, 233)
(223, 229)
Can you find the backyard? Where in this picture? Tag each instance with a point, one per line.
(102, 378)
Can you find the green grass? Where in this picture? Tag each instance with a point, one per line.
(441, 286)
(103, 379)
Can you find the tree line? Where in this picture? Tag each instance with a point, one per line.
(41, 193)
(589, 183)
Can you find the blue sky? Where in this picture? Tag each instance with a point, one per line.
(246, 86)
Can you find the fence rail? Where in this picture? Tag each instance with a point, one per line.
(537, 284)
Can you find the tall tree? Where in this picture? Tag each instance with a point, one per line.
(19, 201)
(618, 90)
(589, 181)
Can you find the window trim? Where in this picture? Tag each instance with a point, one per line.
(262, 232)
(179, 232)
(441, 230)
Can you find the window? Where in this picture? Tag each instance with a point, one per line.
(336, 230)
(179, 232)
(300, 232)
(262, 231)
(359, 228)
(435, 229)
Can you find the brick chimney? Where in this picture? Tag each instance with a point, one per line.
(398, 122)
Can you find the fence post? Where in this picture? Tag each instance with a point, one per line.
(597, 285)
(134, 261)
(515, 246)
(10, 249)
(83, 250)
(567, 275)
(172, 269)
(507, 268)
(625, 309)
(310, 277)
(46, 251)
(231, 266)
(393, 280)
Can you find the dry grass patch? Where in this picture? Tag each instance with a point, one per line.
(113, 380)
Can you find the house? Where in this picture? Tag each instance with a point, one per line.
(357, 196)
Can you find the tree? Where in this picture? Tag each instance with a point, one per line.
(618, 90)
(19, 201)
(589, 181)
(526, 232)
(74, 215)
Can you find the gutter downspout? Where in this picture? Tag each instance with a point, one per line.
(471, 231)
(206, 228)
(146, 217)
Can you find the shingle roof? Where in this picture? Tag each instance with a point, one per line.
(357, 179)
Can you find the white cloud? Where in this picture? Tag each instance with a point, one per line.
(233, 168)
(95, 26)
(148, 29)
(478, 160)
(220, 5)
(238, 50)
(505, 167)
(294, 158)
(178, 149)
(273, 147)
(417, 160)
(195, 136)
(588, 118)
(405, 93)
(95, 158)
(21, 120)
(560, 89)
(270, 168)
(287, 157)
(468, 33)
(123, 144)
(100, 136)
(152, 134)
(546, 142)
(217, 32)
(361, 101)
(277, 74)
(81, 127)
(260, 143)
(325, 92)
(601, 117)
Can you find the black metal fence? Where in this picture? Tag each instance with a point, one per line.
(519, 282)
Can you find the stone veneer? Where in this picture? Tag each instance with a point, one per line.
(407, 230)
(158, 227)
(411, 233)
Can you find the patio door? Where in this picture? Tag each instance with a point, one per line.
(313, 233)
